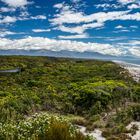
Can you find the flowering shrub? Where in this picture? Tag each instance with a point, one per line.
(41, 126)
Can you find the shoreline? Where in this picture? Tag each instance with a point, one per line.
(134, 69)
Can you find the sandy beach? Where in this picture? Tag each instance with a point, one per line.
(137, 135)
(133, 69)
(96, 134)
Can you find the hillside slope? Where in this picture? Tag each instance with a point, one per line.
(103, 93)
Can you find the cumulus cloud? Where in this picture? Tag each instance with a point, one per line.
(126, 1)
(37, 43)
(135, 51)
(131, 43)
(79, 29)
(67, 16)
(120, 27)
(131, 4)
(24, 14)
(59, 5)
(122, 30)
(8, 19)
(70, 16)
(76, 1)
(134, 42)
(5, 33)
(133, 26)
(134, 6)
(38, 17)
(74, 36)
(41, 30)
(6, 9)
(15, 3)
(107, 6)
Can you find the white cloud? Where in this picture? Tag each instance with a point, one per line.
(8, 19)
(59, 5)
(5, 9)
(70, 16)
(76, 1)
(135, 51)
(131, 43)
(79, 29)
(62, 6)
(74, 36)
(125, 29)
(24, 14)
(135, 16)
(38, 17)
(41, 30)
(133, 6)
(36, 43)
(95, 20)
(62, 28)
(122, 30)
(126, 1)
(120, 27)
(15, 3)
(107, 6)
(5, 33)
(134, 42)
(133, 26)
(113, 39)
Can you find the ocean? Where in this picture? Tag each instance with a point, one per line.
(132, 61)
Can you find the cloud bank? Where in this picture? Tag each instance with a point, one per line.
(37, 43)
(81, 22)
(15, 3)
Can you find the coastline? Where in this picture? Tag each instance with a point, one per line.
(134, 69)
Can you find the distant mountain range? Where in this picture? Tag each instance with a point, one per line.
(70, 54)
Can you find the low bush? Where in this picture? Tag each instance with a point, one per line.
(41, 127)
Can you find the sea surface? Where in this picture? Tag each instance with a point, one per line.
(132, 61)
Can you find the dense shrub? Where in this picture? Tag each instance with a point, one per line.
(87, 88)
(41, 126)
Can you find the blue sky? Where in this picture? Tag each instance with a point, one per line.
(106, 26)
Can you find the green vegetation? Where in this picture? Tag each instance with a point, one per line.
(41, 126)
(103, 93)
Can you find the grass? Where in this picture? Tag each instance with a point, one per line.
(61, 131)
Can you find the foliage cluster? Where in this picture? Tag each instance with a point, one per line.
(87, 88)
